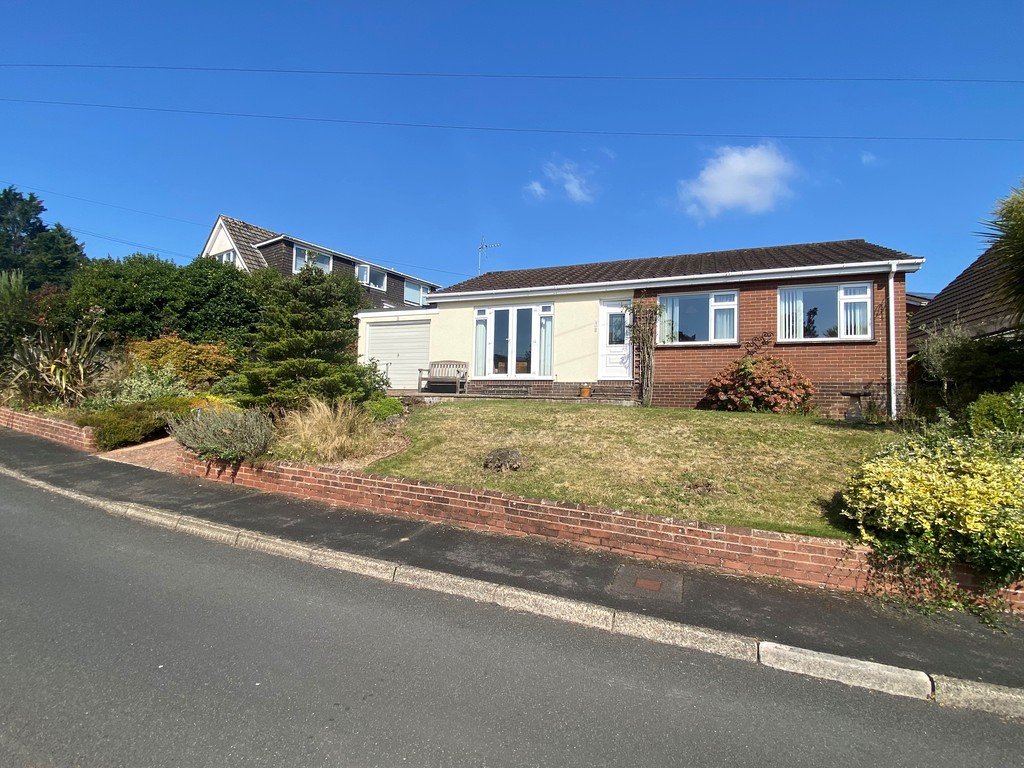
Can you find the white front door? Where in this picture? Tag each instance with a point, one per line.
(614, 349)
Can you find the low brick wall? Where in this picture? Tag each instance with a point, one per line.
(48, 428)
(805, 560)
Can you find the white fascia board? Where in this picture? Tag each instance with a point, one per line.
(344, 255)
(835, 270)
(377, 314)
(239, 261)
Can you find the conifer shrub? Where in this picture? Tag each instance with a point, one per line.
(766, 384)
(133, 423)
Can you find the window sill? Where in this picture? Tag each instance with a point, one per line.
(829, 340)
(691, 344)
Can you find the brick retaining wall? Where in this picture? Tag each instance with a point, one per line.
(48, 428)
(805, 560)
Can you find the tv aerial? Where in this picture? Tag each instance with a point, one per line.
(481, 251)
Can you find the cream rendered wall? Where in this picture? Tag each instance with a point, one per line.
(220, 242)
(574, 347)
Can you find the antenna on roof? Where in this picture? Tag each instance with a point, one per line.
(481, 252)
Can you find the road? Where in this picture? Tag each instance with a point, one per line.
(123, 645)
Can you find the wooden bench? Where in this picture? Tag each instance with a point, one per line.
(449, 372)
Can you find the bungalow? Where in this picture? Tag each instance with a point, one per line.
(249, 248)
(835, 310)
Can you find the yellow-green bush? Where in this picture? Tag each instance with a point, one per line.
(945, 499)
(195, 364)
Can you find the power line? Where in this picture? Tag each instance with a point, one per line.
(100, 202)
(506, 129)
(152, 248)
(523, 76)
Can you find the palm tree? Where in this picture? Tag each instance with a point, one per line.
(1005, 234)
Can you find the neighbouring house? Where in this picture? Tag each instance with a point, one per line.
(249, 248)
(835, 310)
(974, 300)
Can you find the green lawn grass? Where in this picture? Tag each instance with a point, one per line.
(765, 471)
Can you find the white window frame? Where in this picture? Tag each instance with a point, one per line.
(304, 257)
(542, 317)
(716, 300)
(226, 257)
(364, 274)
(423, 291)
(842, 301)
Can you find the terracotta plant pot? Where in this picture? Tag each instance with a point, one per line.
(584, 391)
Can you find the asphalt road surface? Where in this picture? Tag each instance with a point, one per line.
(123, 645)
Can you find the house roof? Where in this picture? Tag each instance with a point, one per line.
(973, 299)
(245, 236)
(745, 260)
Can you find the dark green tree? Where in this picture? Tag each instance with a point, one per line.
(135, 297)
(15, 312)
(305, 344)
(53, 257)
(215, 302)
(20, 221)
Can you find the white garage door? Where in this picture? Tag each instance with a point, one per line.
(401, 349)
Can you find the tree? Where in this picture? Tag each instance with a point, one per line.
(20, 221)
(46, 256)
(215, 302)
(1005, 234)
(15, 311)
(305, 341)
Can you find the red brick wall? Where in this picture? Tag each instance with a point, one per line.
(801, 559)
(681, 374)
(79, 438)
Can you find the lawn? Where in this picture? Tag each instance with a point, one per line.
(757, 470)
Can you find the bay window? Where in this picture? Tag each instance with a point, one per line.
(510, 342)
(698, 318)
(825, 312)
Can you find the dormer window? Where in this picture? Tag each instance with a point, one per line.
(308, 257)
(225, 257)
(415, 293)
(372, 277)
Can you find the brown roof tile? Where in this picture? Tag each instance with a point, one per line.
(972, 299)
(245, 237)
(687, 265)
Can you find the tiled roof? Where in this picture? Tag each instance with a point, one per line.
(245, 237)
(972, 299)
(688, 265)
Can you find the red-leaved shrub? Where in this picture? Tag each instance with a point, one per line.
(759, 384)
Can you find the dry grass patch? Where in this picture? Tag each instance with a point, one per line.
(756, 470)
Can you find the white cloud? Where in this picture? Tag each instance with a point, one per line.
(570, 178)
(868, 158)
(750, 179)
(536, 189)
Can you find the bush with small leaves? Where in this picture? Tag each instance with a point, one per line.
(383, 408)
(225, 434)
(759, 384)
(133, 423)
(195, 364)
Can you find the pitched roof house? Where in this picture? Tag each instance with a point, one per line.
(973, 299)
(835, 310)
(249, 248)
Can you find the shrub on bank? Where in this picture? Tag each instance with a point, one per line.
(760, 384)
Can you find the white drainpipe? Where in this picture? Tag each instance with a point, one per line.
(892, 340)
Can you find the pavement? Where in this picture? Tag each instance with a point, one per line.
(946, 656)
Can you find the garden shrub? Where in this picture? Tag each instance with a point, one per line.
(383, 408)
(133, 423)
(760, 384)
(54, 367)
(1002, 412)
(325, 433)
(943, 498)
(139, 385)
(226, 434)
(196, 364)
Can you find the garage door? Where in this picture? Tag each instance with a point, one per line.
(401, 349)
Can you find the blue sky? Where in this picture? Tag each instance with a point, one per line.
(576, 172)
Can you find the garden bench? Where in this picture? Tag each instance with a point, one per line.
(449, 372)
